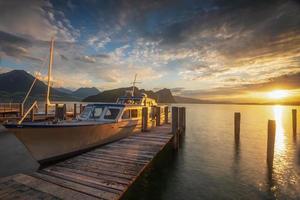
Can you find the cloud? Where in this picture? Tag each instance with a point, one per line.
(35, 19)
(87, 59)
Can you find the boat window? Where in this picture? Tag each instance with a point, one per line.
(126, 114)
(111, 113)
(97, 112)
(86, 112)
(134, 113)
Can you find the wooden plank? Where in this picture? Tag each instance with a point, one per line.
(97, 165)
(85, 189)
(99, 171)
(128, 152)
(85, 180)
(117, 157)
(135, 166)
(50, 188)
(89, 174)
(134, 147)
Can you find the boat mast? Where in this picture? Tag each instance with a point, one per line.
(133, 85)
(50, 71)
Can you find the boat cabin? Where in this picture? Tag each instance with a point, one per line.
(110, 112)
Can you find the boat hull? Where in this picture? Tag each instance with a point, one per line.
(52, 142)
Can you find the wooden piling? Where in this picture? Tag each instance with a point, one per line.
(184, 118)
(271, 142)
(46, 109)
(21, 110)
(56, 110)
(80, 109)
(65, 111)
(157, 116)
(237, 125)
(180, 120)
(294, 116)
(144, 119)
(175, 127)
(166, 113)
(75, 111)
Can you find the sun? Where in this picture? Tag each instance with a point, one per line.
(278, 94)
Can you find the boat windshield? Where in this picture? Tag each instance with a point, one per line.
(86, 112)
(97, 112)
(111, 113)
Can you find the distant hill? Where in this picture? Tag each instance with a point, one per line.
(15, 84)
(85, 92)
(162, 96)
(64, 90)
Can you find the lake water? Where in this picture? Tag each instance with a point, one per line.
(209, 164)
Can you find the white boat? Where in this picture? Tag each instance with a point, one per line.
(97, 124)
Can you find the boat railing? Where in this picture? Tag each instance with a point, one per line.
(28, 111)
(9, 107)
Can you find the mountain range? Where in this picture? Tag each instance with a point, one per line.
(161, 96)
(15, 84)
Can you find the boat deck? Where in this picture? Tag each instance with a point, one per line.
(103, 173)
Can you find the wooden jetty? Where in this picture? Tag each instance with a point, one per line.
(105, 172)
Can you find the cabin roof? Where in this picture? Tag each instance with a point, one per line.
(107, 104)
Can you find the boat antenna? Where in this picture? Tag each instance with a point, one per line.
(133, 85)
(50, 71)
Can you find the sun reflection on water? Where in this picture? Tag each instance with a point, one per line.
(280, 139)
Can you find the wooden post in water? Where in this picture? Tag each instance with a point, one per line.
(80, 108)
(294, 116)
(175, 127)
(271, 142)
(237, 125)
(56, 110)
(75, 111)
(21, 109)
(65, 111)
(180, 120)
(144, 119)
(46, 109)
(157, 116)
(166, 112)
(184, 118)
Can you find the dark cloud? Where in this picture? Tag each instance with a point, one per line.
(288, 81)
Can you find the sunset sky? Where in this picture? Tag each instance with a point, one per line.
(237, 50)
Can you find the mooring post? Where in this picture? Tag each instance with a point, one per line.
(271, 142)
(75, 111)
(56, 110)
(46, 109)
(175, 127)
(166, 113)
(157, 116)
(144, 119)
(21, 109)
(65, 111)
(184, 118)
(237, 125)
(80, 108)
(294, 115)
(180, 120)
